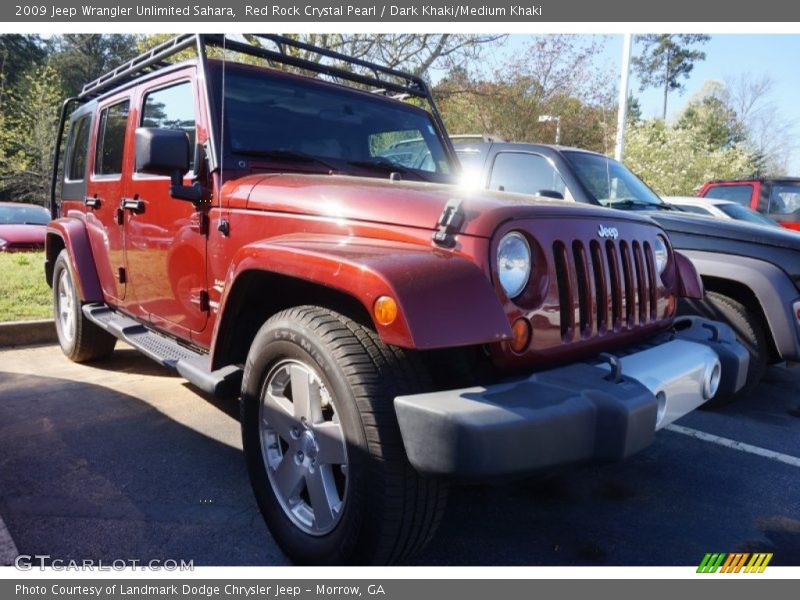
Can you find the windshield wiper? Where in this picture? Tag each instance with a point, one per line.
(387, 166)
(289, 155)
(625, 203)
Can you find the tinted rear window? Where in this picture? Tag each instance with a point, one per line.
(79, 141)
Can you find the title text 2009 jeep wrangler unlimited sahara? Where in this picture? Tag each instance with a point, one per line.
(385, 334)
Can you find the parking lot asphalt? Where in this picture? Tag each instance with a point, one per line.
(124, 460)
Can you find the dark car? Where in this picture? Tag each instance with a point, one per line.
(22, 227)
(751, 273)
(272, 238)
(777, 198)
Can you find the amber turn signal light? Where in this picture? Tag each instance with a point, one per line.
(385, 310)
(521, 331)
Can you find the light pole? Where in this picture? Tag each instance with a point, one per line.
(549, 119)
(622, 113)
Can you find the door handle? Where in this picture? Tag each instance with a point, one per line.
(91, 201)
(133, 204)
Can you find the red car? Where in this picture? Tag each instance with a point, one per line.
(22, 227)
(779, 199)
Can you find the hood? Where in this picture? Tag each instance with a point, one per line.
(727, 229)
(23, 234)
(405, 203)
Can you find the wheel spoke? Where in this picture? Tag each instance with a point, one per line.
(305, 395)
(276, 413)
(288, 477)
(323, 496)
(330, 440)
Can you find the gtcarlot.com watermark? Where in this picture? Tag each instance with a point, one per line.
(28, 562)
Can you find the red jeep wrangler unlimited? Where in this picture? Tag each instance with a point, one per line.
(386, 333)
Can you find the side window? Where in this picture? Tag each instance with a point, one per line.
(171, 108)
(79, 142)
(740, 194)
(784, 199)
(111, 139)
(525, 174)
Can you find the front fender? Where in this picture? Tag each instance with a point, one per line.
(689, 282)
(71, 233)
(444, 300)
(773, 289)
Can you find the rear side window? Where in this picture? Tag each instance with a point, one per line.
(171, 108)
(111, 139)
(525, 174)
(79, 141)
(784, 199)
(740, 194)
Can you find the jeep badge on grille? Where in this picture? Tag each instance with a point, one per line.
(607, 232)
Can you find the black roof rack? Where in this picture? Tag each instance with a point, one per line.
(370, 76)
(151, 60)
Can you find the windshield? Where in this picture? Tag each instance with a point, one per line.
(609, 182)
(740, 213)
(19, 215)
(282, 118)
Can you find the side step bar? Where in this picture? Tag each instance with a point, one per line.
(191, 365)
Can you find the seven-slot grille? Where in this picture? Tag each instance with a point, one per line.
(607, 286)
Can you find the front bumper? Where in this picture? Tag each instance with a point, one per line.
(597, 411)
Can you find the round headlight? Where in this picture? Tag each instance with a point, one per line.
(513, 263)
(660, 254)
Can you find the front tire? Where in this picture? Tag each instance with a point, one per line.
(80, 339)
(322, 444)
(749, 332)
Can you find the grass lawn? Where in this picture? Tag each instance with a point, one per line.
(24, 294)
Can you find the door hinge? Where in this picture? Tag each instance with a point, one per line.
(201, 224)
(450, 223)
(121, 275)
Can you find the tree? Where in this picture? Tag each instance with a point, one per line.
(417, 53)
(80, 58)
(18, 54)
(709, 113)
(555, 75)
(768, 131)
(666, 59)
(675, 160)
(27, 135)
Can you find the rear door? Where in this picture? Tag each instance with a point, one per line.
(164, 242)
(104, 194)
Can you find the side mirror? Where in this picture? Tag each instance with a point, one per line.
(167, 152)
(550, 194)
(162, 152)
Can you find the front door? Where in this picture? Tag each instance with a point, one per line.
(104, 193)
(165, 247)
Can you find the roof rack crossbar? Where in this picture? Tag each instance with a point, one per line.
(322, 68)
(281, 41)
(152, 58)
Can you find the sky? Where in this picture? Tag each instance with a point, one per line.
(726, 56)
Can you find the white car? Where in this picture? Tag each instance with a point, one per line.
(720, 209)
